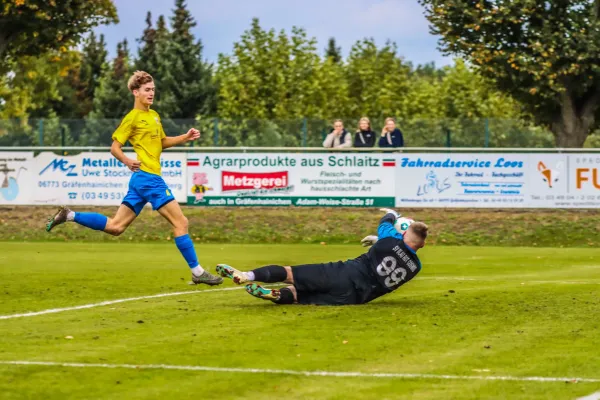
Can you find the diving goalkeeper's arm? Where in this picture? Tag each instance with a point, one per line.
(390, 217)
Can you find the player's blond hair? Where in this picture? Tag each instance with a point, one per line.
(420, 229)
(138, 79)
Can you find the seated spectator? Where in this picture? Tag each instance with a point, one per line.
(364, 136)
(390, 135)
(339, 137)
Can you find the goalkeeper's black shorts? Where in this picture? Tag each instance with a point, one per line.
(334, 283)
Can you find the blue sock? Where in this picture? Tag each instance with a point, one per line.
(186, 247)
(91, 220)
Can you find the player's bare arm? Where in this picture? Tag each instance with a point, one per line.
(189, 136)
(116, 149)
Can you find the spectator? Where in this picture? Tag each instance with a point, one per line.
(339, 137)
(390, 135)
(364, 136)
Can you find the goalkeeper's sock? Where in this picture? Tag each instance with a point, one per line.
(186, 248)
(91, 220)
(285, 297)
(269, 274)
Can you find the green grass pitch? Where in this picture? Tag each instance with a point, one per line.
(472, 312)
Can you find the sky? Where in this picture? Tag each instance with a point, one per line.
(220, 23)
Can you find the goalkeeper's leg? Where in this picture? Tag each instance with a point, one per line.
(267, 274)
(286, 295)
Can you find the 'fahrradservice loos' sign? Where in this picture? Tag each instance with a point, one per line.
(498, 180)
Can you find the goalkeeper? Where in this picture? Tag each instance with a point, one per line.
(390, 262)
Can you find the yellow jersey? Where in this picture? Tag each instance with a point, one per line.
(145, 133)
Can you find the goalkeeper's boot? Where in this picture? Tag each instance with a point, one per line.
(59, 218)
(206, 278)
(227, 271)
(263, 293)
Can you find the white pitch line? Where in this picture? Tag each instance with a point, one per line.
(305, 373)
(566, 282)
(593, 396)
(109, 302)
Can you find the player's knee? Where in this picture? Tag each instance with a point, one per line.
(118, 230)
(114, 229)
(183, 223)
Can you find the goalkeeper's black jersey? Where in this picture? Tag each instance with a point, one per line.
(393, 263)
(388, 264)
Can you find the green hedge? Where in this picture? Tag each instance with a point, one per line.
(537, 228)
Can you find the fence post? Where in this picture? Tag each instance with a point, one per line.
(216, 132)
(63, 138)
(487, 132)
(41, 131)
(193, 141)
(304, 132)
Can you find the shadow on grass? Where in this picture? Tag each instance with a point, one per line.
(391, 303)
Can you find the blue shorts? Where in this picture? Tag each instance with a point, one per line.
(145, 187)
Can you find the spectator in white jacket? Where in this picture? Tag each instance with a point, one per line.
(339, 137)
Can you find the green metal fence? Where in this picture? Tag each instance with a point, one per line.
(301, 132)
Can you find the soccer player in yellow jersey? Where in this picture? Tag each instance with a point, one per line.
(142, 128)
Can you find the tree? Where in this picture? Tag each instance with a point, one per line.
(275, 76)
(77, 83)
(162, 32)
(297, 73)
(463, 93)
(329, 98)
(467, 100)
(248, 78)
(147, 50)
(544, 54)
(33, 27)
(153, 43)
(186, 88)
(112, 99)
(93, 63)
(147, 59)
(428, 70)
(378, 80)
(332, 51)
(32, 90)
(458, 99)
(33, 84)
